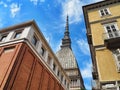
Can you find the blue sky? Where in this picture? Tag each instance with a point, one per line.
(50, 16)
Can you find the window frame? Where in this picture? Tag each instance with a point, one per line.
(61, 78)
(54, 67)
(3, 37)
(58, 73)
(19, 33)
(49, 60)
(111, 24)
(34, 40)
(104, 12)
(42, 51)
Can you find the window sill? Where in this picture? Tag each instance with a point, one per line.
(106, 15)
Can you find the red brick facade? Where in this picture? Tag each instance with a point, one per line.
(20, 69)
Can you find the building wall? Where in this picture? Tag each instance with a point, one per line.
(21, 70)
(106, 66)
(97, 31)
(7, 58)
(103, 58)
(95, 20)
(95, 16)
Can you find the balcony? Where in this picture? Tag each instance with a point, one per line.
(109, 86)
(112, 39)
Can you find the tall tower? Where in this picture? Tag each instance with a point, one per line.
(68, 61)
(27, 62)
(103, 31)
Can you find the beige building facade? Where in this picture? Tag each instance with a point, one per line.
(102, 21)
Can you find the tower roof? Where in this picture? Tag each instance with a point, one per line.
(67, 58)
(65, 55)
(66, 41)
(68, 61)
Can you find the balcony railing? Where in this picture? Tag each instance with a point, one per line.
(110, 35)
(112, 39)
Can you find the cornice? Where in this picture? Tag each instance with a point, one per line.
(101, 4)
(106, 20)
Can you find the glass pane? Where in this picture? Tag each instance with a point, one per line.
(106, 11)
(102, 12)
(113, 27)
(34, 40)
(61, 77)
(42, 51)
(17, 35)
(108, 29)
(58, 73)
(3, 38)
(54, 67)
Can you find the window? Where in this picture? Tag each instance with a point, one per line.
(74, 82)
(104, 12)
(49, 60)
(17, 35)
(54, 66)
(34, 40)
(111, 30)
(3, 38)
(68, 85)
(42, 51)
(61, 77)
(58, 73)
(65, 81)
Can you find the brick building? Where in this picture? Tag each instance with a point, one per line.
(27, 62)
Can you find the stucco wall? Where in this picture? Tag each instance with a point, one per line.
(107, 68)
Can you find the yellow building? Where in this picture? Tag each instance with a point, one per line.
(103, 32)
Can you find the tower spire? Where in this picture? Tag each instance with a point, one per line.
(67, 24)
(66, 41)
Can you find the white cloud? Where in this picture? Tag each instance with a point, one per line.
(86, 71)
(14, 9)
(84, 47)
(35, 2)
(4, 4)
(74, 9)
